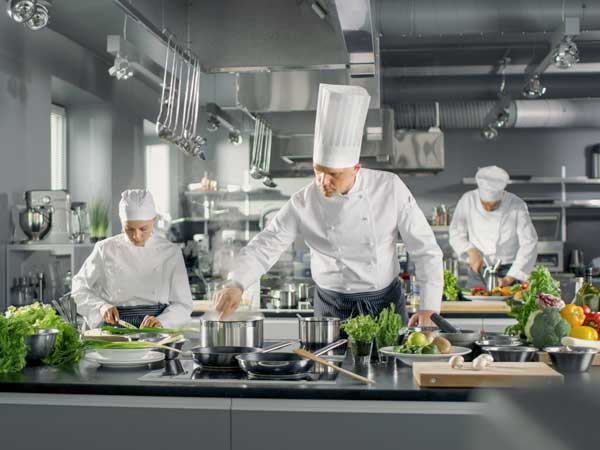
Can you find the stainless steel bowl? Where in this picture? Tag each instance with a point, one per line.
(40, 344)
(465, 338)
(571, 359)
(35, 223)
(499, 339)
(511, 354)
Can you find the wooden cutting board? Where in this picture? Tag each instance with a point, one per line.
(499, 374)
(479, 306)
(543, 357)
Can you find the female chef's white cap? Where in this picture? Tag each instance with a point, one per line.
(491, 181)
(341, 115)
(136, 204)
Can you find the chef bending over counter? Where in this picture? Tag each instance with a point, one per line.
(490, 224)
(349, 218)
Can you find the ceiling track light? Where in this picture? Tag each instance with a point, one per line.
(566, 54)
(121, 69)
(534, 88)
(489, 133)
(32, 13)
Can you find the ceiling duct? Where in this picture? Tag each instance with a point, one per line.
(560, 113)
(362, 45)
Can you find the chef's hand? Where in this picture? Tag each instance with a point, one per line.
(227, 300)
(151, 322)
(421, 319)
(475, 260)
(110, 314)
(506, 281)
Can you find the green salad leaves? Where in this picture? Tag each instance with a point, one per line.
(13, 348)
(451, 289)
(540, 281)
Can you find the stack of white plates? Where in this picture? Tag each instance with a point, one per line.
(125, 358)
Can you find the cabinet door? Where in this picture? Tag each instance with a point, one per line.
(304, 424)
(90, 422)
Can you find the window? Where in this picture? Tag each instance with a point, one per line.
(158, 176)
(58, 147)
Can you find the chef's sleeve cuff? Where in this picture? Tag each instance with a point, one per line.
(517, 274)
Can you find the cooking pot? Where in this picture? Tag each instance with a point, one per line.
(240, 329)
(316, 332)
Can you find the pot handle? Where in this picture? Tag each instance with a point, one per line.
(331, 346)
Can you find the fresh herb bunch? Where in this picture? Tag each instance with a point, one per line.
(13, 349)
(451, 289)
(362, 328)
(540, 281)
(389, 323)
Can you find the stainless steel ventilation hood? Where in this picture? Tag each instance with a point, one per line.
(385, 148)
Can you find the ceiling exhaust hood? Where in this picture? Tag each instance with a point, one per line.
(398, 151)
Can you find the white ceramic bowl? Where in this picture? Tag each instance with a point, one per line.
(409, 358)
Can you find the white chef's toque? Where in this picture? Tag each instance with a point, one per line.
(136, 204)
(491, 181)
(341, 115)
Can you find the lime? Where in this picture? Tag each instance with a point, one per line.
(417, 339)
(430, 349)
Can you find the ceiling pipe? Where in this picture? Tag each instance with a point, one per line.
(559, 113)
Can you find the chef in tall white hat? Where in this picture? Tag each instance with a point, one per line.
(134, 276)
(490, 224)
(350, 219)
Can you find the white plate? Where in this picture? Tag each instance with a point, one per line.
(409, 358)
(123, 354)
(150, 357)
(487, 297)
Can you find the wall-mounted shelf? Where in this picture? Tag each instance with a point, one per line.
(545, 180)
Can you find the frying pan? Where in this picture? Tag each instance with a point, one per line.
(224, 357)
(280, 363)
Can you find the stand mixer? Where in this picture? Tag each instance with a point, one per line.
(47, 216)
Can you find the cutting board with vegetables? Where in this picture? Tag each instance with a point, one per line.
(498, 374)
(483, 306)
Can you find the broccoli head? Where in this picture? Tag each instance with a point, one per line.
(548, 328)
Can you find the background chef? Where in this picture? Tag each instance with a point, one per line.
(349, 218)
(134, 276)
(494, 224)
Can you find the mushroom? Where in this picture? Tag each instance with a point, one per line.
(482, 361)
(456, 362)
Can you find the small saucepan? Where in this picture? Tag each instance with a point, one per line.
(223, 357)
(280, 363)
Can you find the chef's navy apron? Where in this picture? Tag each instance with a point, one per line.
(338, 304)
(476, 279)
(135, 314)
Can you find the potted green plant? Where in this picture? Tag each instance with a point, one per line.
(389, 323)
(361, 331)
(98, 220)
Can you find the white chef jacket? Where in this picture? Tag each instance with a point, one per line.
(505, 234)
(121, 274)
(352, 238)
